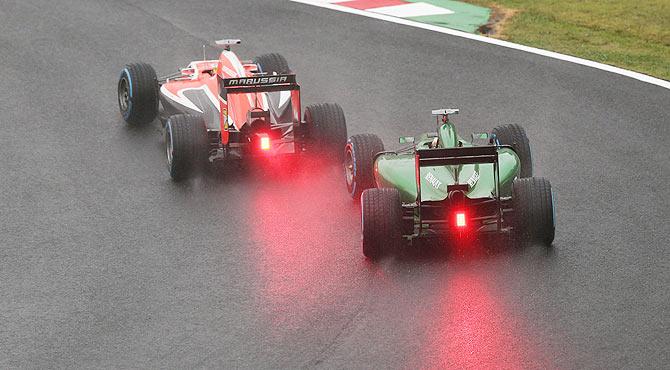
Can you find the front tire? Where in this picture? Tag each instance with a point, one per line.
(515, 136)
(138, 93)
(186, 145)
(381, 219)
(534, 216)
(359, 155)
(327, 129)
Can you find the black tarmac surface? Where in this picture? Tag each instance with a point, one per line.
(105, 262)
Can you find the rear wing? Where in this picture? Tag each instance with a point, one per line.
(259, 84)
(457, 157)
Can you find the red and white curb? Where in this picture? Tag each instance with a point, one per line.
(394, 8)
(375, 11)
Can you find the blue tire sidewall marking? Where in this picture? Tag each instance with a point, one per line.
(126, 72)
(130, 81)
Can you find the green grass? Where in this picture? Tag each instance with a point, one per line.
(629, 34)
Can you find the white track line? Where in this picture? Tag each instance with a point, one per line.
(489, 40)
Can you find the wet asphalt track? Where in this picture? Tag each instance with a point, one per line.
(104, 262)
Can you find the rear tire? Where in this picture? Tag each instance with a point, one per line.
(515, 135)
(534, 215)
(327, 128)
(381, 219)
(271, 63)
(138, 93)
(359, 155)
(186, 145)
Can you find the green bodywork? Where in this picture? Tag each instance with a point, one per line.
(397, 170)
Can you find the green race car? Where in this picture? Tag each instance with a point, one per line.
(444, 186)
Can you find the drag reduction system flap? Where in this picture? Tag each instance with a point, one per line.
(457, 156)
(260, 83)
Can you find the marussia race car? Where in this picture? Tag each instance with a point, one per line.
(444, 186)
(227, 108)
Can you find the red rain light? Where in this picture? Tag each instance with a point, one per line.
(460, 219)
(265, 143)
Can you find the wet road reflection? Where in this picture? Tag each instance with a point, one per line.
(311, 276)
(474, 328)
(305, 229)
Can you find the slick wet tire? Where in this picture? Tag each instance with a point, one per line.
(515, 135)
(272, 63)
(186, 145)
(534, 216)
(359, 155)
(327, 130)
(381, 218)
(138, 93)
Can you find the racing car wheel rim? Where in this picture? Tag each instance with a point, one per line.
(124, 95)
(349, 170)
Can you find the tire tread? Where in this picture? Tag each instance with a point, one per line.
(381, 221)
(145, 97)
(533, 207)
(328, 129)
(514, 135)
(363, 147)
(189, 137)
(272, 62)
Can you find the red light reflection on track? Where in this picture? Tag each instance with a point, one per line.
(304, 227)
(474, 329)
